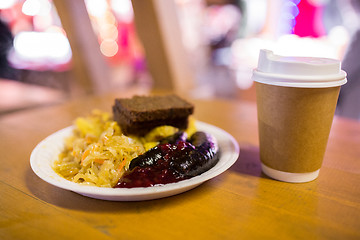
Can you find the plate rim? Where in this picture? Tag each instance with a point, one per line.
(133, 194)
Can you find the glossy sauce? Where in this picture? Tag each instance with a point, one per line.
(155, 174)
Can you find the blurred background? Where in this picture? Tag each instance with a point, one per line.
(221, 38)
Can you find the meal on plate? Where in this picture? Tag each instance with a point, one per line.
(146, 141)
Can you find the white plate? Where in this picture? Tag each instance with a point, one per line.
(46, 152)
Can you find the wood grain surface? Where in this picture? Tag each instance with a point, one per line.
(241, 203)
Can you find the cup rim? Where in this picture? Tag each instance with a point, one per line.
(305, 81)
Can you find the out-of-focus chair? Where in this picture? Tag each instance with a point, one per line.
(158, 27)
(159, 31)
(91, 72)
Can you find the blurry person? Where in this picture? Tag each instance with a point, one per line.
(6, 44)
(349, 99)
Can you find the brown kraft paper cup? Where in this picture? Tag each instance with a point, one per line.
(294, 126)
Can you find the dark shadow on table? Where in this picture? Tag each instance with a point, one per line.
(249, 161)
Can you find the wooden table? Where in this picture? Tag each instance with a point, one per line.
(241, 203)
(15, 96)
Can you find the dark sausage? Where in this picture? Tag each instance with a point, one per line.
(186, 159)
(198, 160)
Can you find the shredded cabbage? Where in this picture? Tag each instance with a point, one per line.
(97, 153)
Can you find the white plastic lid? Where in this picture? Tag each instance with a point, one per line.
(305, 72)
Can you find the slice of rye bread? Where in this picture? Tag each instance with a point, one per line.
(140, 114)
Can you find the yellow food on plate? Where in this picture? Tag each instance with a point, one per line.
(152, 138)
(98, 153)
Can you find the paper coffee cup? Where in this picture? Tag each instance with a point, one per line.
(296, 101)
